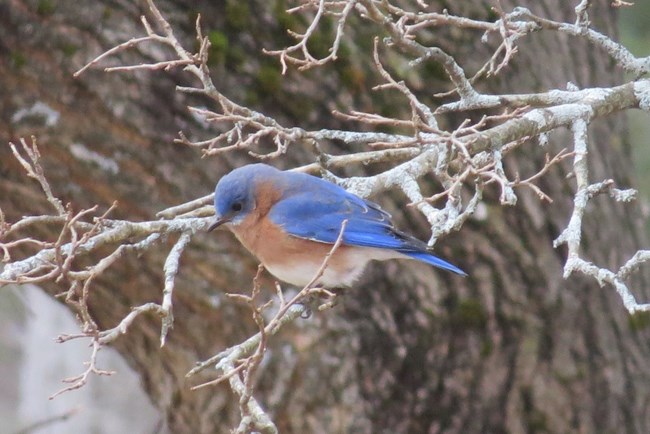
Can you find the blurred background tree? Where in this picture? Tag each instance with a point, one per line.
(635, 34)
(513, 348)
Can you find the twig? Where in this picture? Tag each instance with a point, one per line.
(81, 380)
(171, 270)
(35, 170)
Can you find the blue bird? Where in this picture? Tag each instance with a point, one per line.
(290, 221)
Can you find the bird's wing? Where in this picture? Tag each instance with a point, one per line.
(318, 216)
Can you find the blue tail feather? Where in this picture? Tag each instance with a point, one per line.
(435, 261)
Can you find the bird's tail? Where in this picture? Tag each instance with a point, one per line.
(435, 261)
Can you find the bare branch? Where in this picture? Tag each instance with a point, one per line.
(617, 51)
(81, 380)
(299, 54)
(171, 270)
(35, 170)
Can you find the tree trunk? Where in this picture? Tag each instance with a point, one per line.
(512, 348)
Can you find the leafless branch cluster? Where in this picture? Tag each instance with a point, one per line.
(82, 234)
(243, 127)
(299, 53)
(572, 234)
(240, 363)
(465, 162)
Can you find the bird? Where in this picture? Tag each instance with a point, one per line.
(290, 222)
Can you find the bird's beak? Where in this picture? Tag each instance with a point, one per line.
(218, 221)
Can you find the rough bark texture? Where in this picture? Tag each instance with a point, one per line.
(512, 348)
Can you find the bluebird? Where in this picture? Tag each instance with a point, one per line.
(290, 221)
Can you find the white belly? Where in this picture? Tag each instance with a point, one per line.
(342, 271)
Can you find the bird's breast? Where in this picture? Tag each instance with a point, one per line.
(297, 260)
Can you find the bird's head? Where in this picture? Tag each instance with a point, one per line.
(233, 199)
(234, 196)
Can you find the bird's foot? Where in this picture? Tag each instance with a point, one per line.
(326, 298)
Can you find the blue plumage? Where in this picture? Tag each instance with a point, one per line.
(273, 213)
(315, 209)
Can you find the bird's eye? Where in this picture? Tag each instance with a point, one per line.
(237, 206)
